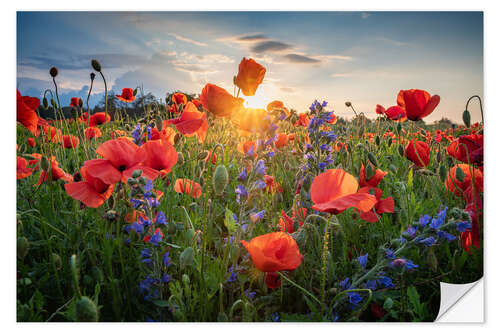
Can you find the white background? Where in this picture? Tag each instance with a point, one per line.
(492, 156)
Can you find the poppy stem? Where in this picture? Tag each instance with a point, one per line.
(480, 106)
(105, 100)
(301, 288)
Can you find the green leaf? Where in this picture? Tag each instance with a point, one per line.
(161, 303)
(410, 178)
(414, 298)
(388, 303)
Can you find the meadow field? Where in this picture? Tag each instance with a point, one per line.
(201, 209)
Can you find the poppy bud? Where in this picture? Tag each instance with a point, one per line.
(86, 310)
(401, 150)
(438, 157)
(466, 118)
(45, 103)
(372, 159)
(186, 258)
(377, 140)
(57, 261)
(185, 279)
(53, 72)
(92, 76)
(132, 181)
(143, 180)
(80, 102)
(442, 173)
(459, 175)
(389, 142)
(220, 179)
(22, 247)
(135, 91)
(370, 172)
(392, 168)
(180, 158)
(137, 173)
(348, 104)
(398, 128)
(44, 163)
(53, 103)
(234, 80)
(96, 65)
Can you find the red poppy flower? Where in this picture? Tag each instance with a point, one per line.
(166, 134)
(127, 95)
(272, 186)
(117, 133)
(32, 142)
(98, 119)
(378, 311)
(468, 149)
(218, 101)
(379, 109)
(272, 280)
(396, 113)
(26, 112)
(332, 120)
(244, 147)
(52, 134)
(160, 156)
(92, 132)
(250, 76)
(418, 103)
(22, 170)
(191, 122)
(302, 121)
(173, 108)
(453, 185)
(75, 101)
(273, 252)
(282, 140)
(196, 102)
(54, 173)
(121, 158)
(70, 141)
(277, 105)
(211, 157)
(335, 190)
(418, 152)
(189, 187)
(382, 206)
(179, 98)
(374, 180)
(286, 223)
(84, 118)
(92, 191)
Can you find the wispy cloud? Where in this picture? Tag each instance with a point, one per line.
(270, 46)
(391, 41)
(300, 59)
(185, 39)
(339, 75)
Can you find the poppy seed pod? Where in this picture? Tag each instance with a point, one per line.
(202, 155)
(80, 102)
(220, 179)
(348, 104)
(92, 76)
(442, 173)
(137, 173)
(86, 310)
(180, 158)
(459, 175)
(96, 65)
(372, 159)
(401, 150)
(45, 103)
(22, 247)
(466, 118)
(53, 72)
(187, 257)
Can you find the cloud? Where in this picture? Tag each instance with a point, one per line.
(391, 41)
(187, 40)
(252, 38)
(270, 46)
(335, 75)
(288, 89)
(69, 61)
(300, 59)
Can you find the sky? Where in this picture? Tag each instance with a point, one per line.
(361, 57)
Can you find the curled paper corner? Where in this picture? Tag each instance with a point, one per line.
(461, 303)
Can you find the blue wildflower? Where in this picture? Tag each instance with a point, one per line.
(354, 299)
(137, 227)
(385, 281)
(243, 175)
(447, 236)
(250, 294)
(411, 231)
(371, 284)
(161, 219)
(260, 168)
(260, 184)
(363, 260)
(463, 226)
(389, 254)
(166, 259)
(165, 278)
(233, 275)
(424, 220)
(156, 238)
(345, 284)
(275, 316)
(429, 241)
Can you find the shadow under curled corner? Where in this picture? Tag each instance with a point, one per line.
(461, 303)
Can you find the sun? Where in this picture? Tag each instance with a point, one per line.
(258, 101)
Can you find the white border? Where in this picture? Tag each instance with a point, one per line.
(492, 117)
